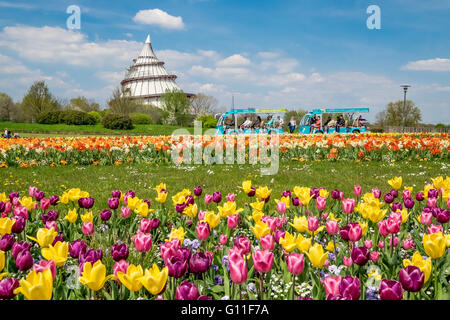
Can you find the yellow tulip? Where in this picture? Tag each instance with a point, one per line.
(132, 277)
(425, 265)
(94, 276)
(2, 260)
(64, 198)
(319, 229)
(324, 193)
(435, 244)
(84, 194)
(3, 197)
(286, 200)
(395, 183)
(162, 197)
(364, 226)
(27, 202)
(332, 217)
(288, 242)
(2, 275)
(405, 214)
(191, 210)
(330, 246)
(317, 256)
(438, 182)
(303, 244)
(247, 186)
(228, 209)
(44, 237)
(212, 219)
(260, 229)
(132, 203)
(177, 234)
(257, 215)
(6, 225)
(154, 280)
(87, 217)
(161, 186)
(304, 194)
(142, 209)
(71, 216)
(57, 253)
(75, 194)
(427, 188)
(447, 237)
(179, 198)
(300, 224)
(263, 192)
(37, 285)
(258, 205)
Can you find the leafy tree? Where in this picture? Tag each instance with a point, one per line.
(298, 115)
(121, 103)
(177, 105)
(7, 106)
(83, 104)
(37, 100)
(202, 105)
(395, 115)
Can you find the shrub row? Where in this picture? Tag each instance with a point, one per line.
(67, 117)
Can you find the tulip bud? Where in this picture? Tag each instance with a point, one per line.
(374, 256)
(232, 221)
(381, 244)
(390, 290)
(198, 191)
(125, 212)
(332, 227)
(357, 190)
(368, 244)
(347, 261)
(7, 287)
(231, 197)
(24, 260)
(313, 223)
(88, 228)
(267, 242)
(6, 242)
(223, 239)
(281, 207)
(203, 230)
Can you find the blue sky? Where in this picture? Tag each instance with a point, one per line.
(294, 54)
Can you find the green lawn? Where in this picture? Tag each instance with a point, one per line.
(31, 129)
(100, 181)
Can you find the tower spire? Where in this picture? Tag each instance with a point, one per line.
(148, 39)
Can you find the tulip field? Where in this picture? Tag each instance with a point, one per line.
(112, 218)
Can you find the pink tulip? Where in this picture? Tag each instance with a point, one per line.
(16, 201)
(357, 190)
(21, 211)
(355, 232)
(262, 260)
(121, 265)
(397, 215)
(321, 203)
(32, 191)
(44, 264)
(348, 205)
(201, 215)
(243, 243)
(281, 207)
(143, 242)
(393, 225)
(374, 256)
(169, 249)
(223, 239)
(35, 206)
(376, 193)
(267, 242)
(426, 218)
(448, 203)
(381, 244)
(368, 244)
(234, 254)
(431, 202)
(435, 228)
(382, 228)
(88, 228)
(313, 223)
(8, 207)
(332, 227)
(238, 270)
(331, 285)
(406, 194)
(326, 263)
(396, 240)
(232, 221)
(145, 226)
(324, 216)
(231, 197)
(51, 225)
(296, 263)
(408, 244)
(125, 212)
(208, 198)
(203, 230)
(45, 203)
(347, 261)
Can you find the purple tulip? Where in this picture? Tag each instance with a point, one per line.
(154, 223)
(91, 256)
(335, 194)
(13, 195)
(7, 287)
(113, 203)
(76, 248)
(217, 197)
(19, 224)
(51, 215)
(411, 278)
(187, 291)
(252, 192)
(360, 255)
(394, 193)
(177, 265)
(388, 198)
(6, 242)
(2, 206)
(279, 233)
(116, 194)
(296, 201)
(180, 207)
(343, 232)
(409, 203)
(18, 247)
(443, 216)
(119, 251)
(390, 290)
(350, 288)
(420, 196)
(198, 191)
(130, 194)
(433, 193)
(199, 262)
(266, 199)
(286, 193)
(397, 206)
(54, 200)
(105, 214)
(39, 195)
(189, 200)
(314, 192)
(24, 260)
(86, 203)
(58, 238)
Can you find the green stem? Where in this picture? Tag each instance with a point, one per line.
(261, 285)
(293, 287)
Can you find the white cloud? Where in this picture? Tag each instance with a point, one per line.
(268, 54)
(159, 18)
(234, 60)
(437, 65)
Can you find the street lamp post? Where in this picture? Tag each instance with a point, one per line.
(405, 88)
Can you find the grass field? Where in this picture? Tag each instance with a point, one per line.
(32, 129)
(100, 181)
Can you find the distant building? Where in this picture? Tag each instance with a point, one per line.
(147, 79)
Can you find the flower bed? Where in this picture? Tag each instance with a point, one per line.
(189, 245)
